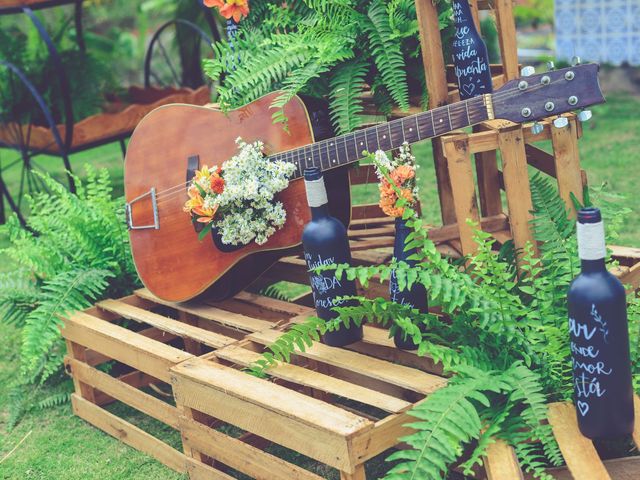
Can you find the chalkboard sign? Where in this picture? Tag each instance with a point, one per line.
(599, 339)
(470, 57)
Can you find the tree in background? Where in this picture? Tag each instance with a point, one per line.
(534, 13)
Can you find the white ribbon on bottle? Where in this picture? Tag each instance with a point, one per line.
(316, 192)
(591, 245)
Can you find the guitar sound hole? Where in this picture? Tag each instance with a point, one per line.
(220, 245)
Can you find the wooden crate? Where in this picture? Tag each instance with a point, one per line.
(336, 406)
(139, 338)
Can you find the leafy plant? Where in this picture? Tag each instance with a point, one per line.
(77, 254)
(502, 336)
(325, 49)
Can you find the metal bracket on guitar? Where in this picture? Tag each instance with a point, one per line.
(154, 206)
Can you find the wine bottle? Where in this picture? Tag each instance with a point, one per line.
(599, 338)
(470, 57)
(416, 296)
(325, 242)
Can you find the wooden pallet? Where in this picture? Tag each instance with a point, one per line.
(137, 339)
(336, 406)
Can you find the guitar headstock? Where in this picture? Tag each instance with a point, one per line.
(538, 96)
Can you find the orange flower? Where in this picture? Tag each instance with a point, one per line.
(205, 215)
(230, 8)
(402, 174)
(195, 200)
(217, 183)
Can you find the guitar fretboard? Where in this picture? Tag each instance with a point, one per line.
(349, 148)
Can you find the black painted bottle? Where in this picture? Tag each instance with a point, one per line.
(325, 242)
(599, 333)
(470, 57)
(416, 297)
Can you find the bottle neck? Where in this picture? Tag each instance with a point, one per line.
(321, 211)
(591, 246)
(462, 13)
(591, 266)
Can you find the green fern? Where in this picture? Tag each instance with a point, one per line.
(80, 254)
(347, 82)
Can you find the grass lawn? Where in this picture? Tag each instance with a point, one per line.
(61, 446)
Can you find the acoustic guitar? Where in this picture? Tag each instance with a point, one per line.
(171, 142)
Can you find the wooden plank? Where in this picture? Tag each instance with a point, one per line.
(166, 324)
(626, 253)
(309, 378)
(517, 189)
(207, 312)
(436, 79)
(567, 163)
(632, 277)
(120, 344)
(129, 434)
(506, 25)
(239, 455)
(272, 303)
(359, 474)
(488, 183)
(578, 451)
(82, 389)
(636, 422)
(367, 211)
(123, 392)
(384, 435)
(450, 232)
(94, 358)
(456, 149)
(501, 463)
(135, 379)
(200, 471)
(271, 411)
(541, 160)
(364, 365)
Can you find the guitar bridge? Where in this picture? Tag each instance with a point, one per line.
(154, 205)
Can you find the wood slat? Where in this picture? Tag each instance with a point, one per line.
(94, 358)
(166, 324)
(364, 365)
(578, 451)
(456, 149)
(501, 462)
(123, 392)
(207, 312)
(272, 303)
(240, 455)
(200, 471)
(271, 411)
(309, 378)
(120, 344)
(567, 163)
(636, 422)
(129, 434)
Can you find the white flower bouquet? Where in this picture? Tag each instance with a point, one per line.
(238, 198)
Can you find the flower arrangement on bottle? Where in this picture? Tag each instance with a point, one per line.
(401, 170)
(236, 9)
(237, 198)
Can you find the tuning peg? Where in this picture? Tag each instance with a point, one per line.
(551, 66)
(576, 60)
(560, 122)
(527, 71)
(537, 128)
(585, 115)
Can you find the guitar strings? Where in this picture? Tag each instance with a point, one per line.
(171, 192)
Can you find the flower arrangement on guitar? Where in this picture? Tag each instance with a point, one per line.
(401, 170)
(237, 199)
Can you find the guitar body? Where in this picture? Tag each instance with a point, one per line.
(171, 261)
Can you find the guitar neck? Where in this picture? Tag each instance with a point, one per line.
(349, 148)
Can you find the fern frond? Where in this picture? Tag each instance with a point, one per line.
(61, 295)
(386, 53)
(346, 84)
